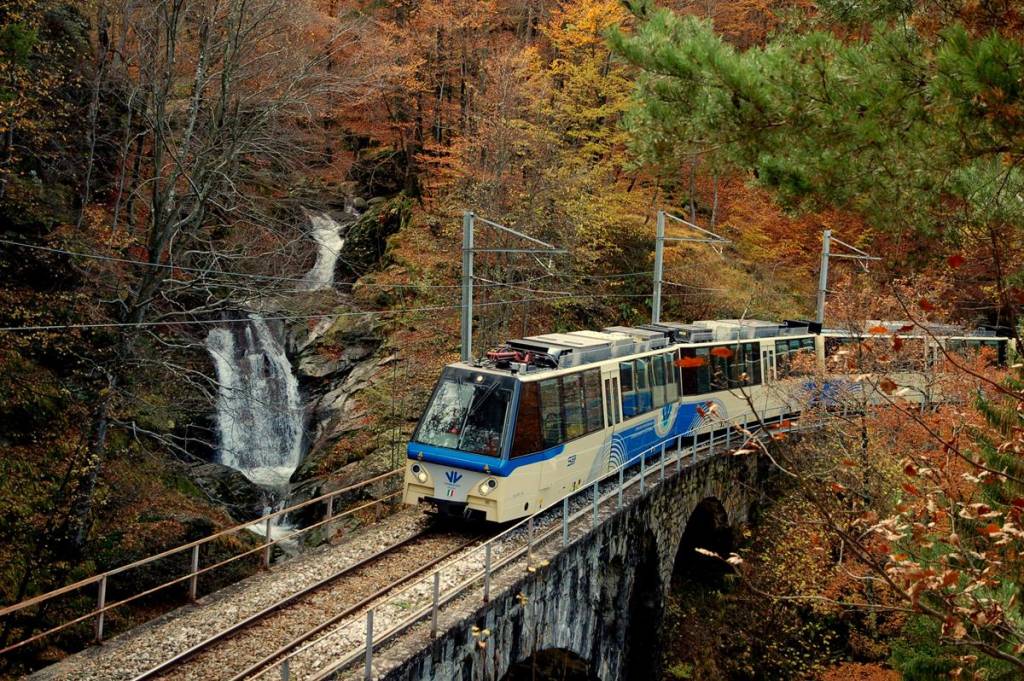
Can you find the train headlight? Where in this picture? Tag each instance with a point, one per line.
(420, 474)
(487, 485)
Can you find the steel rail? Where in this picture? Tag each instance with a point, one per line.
(296, 596)
(270, 659)
(444, 599)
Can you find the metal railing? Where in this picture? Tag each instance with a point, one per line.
(101, 580)
(475, 569)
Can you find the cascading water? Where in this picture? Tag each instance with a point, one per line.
(259, 411)
(260, 414)
(327, 235)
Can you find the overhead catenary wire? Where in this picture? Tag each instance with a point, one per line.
(271, 277)
(320, 315)
(197, 270)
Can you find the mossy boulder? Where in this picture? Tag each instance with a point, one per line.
(366, 241)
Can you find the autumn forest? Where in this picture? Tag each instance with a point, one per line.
(294, 174)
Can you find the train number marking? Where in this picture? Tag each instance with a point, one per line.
(571, 461)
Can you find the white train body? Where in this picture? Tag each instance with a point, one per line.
(502, 440)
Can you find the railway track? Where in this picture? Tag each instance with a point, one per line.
(244, 648)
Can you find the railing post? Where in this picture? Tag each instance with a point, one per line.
(529, 539)
(695, 448)
(268, 548)
(728, 438)
(620, 488)
(330, 509)
(565, 521)
(368, 666)
(487, 572)
(597, 492)
(285, 671)
(437, 598)
(662, 475)
(101, 602)
(679, 454)
(643, 470)
(193, 584)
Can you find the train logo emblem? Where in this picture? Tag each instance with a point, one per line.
(453, 477)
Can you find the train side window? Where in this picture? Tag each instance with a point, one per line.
(572, 406)
(629, 405)
(806, 353)
(786, 352)
(642, 373)
(528, 437)
(737, 365)
(594, 411)
(782, 357)
(551, 412)
(689, 364)
(658, 380)
(753, 352)
(672, 378)
(721, 361)
(696, 369)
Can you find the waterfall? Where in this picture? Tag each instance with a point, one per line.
(259, 411)
(327, 235)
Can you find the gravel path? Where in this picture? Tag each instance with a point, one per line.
(142, 648)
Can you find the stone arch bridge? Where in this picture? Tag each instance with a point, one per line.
(600, 600)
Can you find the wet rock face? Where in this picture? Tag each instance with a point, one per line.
(335, 361)
(333, 369)
(242, 498)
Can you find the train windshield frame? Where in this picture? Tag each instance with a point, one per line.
(468, 411)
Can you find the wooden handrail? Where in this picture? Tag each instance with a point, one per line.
(41, 598)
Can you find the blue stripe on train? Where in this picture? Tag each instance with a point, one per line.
(477, 462)
(635, 439)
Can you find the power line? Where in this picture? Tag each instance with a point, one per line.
(199, 270)
(322, 315)
(270, 277)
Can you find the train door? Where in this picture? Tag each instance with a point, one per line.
(612, 417)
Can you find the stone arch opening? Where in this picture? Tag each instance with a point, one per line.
(645, 608)
(707, 528)
(551, 664)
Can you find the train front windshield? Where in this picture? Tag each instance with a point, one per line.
(468, 412)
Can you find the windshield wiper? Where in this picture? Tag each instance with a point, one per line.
(474, 407)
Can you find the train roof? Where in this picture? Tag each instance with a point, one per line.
(577, 348)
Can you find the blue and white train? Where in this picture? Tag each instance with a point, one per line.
(547, 414)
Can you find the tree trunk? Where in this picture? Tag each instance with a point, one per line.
(80, 514)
